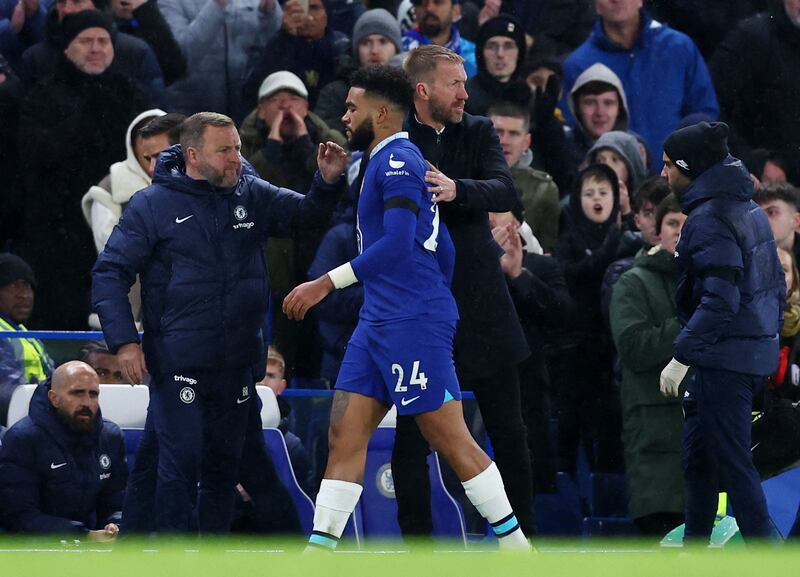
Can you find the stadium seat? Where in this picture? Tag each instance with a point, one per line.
(783, 496)
(18, 405)
(559, 514)
(379, 506)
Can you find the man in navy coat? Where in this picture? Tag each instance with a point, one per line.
(730, 303)
(62, 468)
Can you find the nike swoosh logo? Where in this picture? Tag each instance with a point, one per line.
(54, 466)
(184, 219)
(405, 401)
(244, 400)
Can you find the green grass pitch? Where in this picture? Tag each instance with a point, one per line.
(284, 558)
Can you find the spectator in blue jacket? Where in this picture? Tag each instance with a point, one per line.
(62, 468)
(664, 75)
(435, 24)
(195, 237)
(729, 298)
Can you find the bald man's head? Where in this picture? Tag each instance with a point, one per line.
(74, 393)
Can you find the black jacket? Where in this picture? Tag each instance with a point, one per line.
(72, 127)
(55, 480)
(489, 334)
(756, 71)
(148, 24)
(133, 58)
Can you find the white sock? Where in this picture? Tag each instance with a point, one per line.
(487, 492)
(335, 502)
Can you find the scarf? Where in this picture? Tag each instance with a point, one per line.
(791, 320)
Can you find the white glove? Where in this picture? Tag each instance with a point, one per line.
(671, 378)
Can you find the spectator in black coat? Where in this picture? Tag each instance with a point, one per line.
(305, 45)
(542, 300)
(756, 72)
(72, 127)
(133, 58)
(143, 19)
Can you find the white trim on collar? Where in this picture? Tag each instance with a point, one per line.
(386, 141)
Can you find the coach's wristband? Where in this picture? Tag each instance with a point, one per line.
(342, 276)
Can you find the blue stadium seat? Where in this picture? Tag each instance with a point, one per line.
(559, 514)
(783, 496)
(379, 506)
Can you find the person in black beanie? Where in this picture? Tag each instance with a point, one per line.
(499, 52)
(72, 126)
(729, 301)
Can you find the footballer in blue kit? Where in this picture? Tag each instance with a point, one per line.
(401, 352)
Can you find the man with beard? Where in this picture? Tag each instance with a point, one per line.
(435, 21)
(195, 237)
(62, 468)
(469, 177)
(401, 352)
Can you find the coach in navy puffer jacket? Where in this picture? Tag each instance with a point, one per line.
(204, 283)
(57, 480)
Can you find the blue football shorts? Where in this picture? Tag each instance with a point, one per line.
(405, 363)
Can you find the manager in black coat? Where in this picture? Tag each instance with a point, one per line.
(471, 178)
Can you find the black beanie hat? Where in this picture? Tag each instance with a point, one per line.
(13, 268)
(75, 23)
(697, 148)
(502, 25)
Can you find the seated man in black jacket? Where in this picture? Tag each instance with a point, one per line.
(62, 468)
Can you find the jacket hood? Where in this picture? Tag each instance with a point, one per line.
(171, 172)
(627, 146)
(128, 176)
(726, 179)
(592, 231)
(43, 414)
(599, 72)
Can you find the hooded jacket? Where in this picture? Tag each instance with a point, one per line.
(103, 203)
(644, 324)
(581, 140)
(197, 249)
(216, 42)
(664, 75)
(56, 480)
(731, 285)
(626, 145)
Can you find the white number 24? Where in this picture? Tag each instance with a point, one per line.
(417, 378)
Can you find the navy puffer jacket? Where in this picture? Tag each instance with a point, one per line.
(198, 250)
(55, 480)
(731, 286)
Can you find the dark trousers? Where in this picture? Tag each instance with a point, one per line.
(498, 398)
(270, 509)
(200, 420)
(716, 453)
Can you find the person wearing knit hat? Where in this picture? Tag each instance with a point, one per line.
(22, 360)
(730, 296)
(500, 52)
(376, 37)
(88, 40)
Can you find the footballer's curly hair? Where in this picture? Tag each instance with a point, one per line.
(387, 82)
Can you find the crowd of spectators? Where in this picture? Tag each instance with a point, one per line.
(581, 94)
